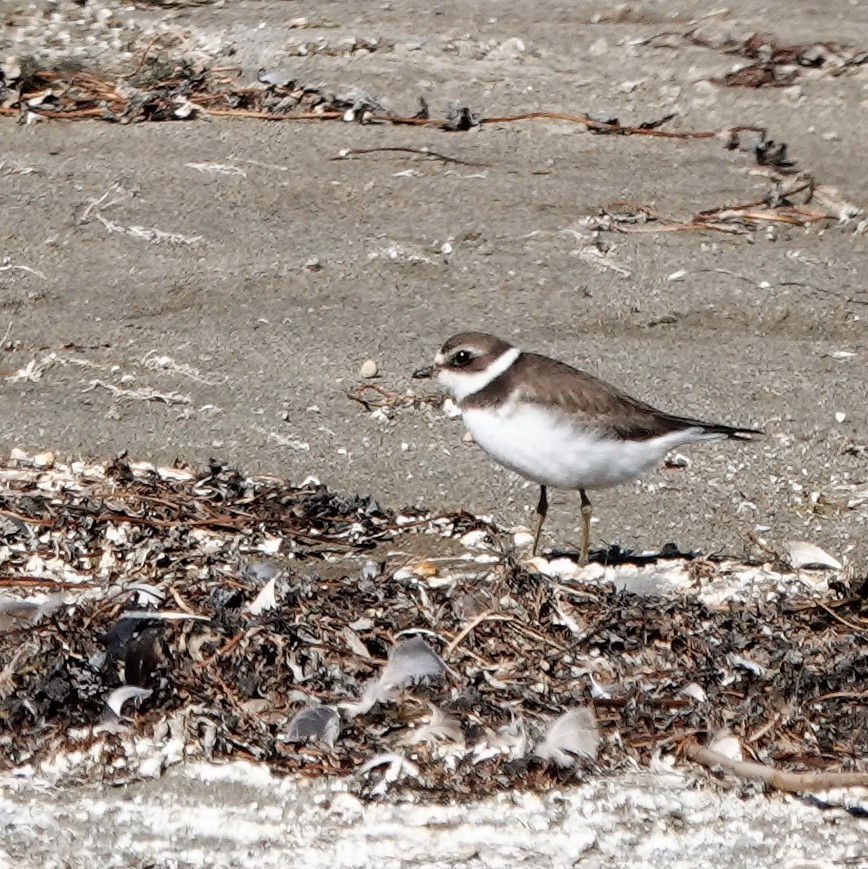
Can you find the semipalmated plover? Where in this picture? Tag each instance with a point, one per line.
(556, 425)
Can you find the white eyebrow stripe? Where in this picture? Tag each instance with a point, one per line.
(463, 384)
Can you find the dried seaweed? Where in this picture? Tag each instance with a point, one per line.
(158, 568)
(157, 90)
(793, 199)
(777, 64)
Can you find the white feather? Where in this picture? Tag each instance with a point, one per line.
(570, 737)
(409, 661)
(510, 740)
(265, 600)
(121, 695)
(315, 723)
(440, 727)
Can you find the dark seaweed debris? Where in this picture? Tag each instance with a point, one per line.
(168, 569)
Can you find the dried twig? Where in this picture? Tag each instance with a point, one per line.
(792, 782)
(158, 38)
(387, 398)
(422, 152)
(482, 617)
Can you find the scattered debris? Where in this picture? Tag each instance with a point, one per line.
(792, 200)
(265, 600)
(189, 92)
(155, 361)
(667, 647)
(460, 119)
(776, 64)
(143, 393)
(440, 728)
(32, 372)
(395, 767)
(283, 440)
(218, 169)
(6, 265)
(601, 256)
(152, 234)
(410, 661)
(373, 397)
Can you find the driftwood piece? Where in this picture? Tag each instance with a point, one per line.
(791, 782)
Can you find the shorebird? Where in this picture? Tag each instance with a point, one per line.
(556, 425)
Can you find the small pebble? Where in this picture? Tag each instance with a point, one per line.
(368, 369)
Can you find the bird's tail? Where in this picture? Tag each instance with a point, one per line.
(701, 431)
(717, 431)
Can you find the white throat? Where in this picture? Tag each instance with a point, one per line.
(460, 384)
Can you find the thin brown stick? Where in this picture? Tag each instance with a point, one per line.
(422, 152)
(228, 646)
(791, 782)
(614, 128)
(524, 629)
(854, 627)
(270, 116)
(762, 731)
(158, 38)
(30, 520)
(169, 523)
(482, 617)
(840, 695)
(42, 581)
(409, 122)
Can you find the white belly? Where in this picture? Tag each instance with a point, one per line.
(549, 451)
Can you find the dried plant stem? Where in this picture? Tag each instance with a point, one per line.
(791, 782)
(482, 617)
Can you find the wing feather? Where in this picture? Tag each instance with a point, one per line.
(541, 380)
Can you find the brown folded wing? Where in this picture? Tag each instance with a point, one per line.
(541, 380)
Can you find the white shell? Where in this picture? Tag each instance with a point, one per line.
(802, 554)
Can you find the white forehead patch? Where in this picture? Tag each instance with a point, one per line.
(459, 384)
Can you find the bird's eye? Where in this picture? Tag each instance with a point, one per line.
(462, 358)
